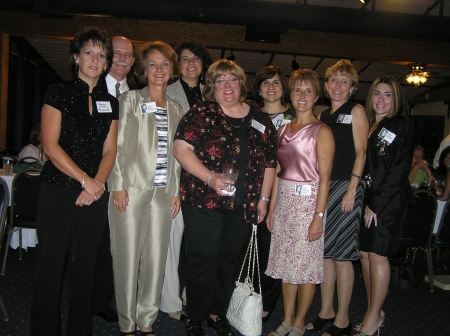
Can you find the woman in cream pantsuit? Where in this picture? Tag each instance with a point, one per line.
(145, 185)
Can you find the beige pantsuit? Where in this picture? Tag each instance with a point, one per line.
(140, 236)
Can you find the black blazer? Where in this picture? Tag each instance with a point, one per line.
(389, 166)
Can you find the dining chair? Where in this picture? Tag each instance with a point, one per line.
(4, 201)
(28, 159)
(24, 202)
(442, 238)
(417, 230)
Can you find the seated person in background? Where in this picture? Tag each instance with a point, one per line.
(34, 148)
(420, 172)
(442, 172)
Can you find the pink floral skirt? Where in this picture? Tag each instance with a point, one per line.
(292, 258)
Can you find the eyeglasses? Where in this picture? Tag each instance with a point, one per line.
(232, 81)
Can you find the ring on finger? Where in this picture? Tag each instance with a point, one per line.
(86, 202)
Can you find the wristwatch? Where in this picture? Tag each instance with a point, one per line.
(320, 214)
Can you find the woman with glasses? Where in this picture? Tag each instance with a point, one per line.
(221, 130)
(194, 60)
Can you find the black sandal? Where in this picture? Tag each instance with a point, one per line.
(334, 330)
(148, 333)
(127, 333)
(319, 323)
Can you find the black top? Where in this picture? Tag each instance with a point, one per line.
(193, 94)
(344, 156)
(82, 134)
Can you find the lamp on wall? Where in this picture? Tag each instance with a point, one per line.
(417, 75)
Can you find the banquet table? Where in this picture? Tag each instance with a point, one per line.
(29, 236)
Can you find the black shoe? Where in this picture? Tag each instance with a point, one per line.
(222, 326)
(319, 323)
(108, 315)
(194, 328)
(333, 330)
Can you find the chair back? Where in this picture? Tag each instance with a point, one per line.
(25, 198)
(443, 234)
(28, 159)
(419, 221)
(4, 202)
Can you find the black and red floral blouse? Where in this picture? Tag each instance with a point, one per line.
(205, 128)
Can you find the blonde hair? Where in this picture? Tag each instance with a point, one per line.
(344, 67)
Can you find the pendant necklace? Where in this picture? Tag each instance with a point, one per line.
(238, 126)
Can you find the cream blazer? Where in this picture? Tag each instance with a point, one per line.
(137, 145)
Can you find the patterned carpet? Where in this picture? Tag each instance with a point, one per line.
(412, 312)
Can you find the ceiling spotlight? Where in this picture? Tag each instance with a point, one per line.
(364, 1)
(417, 76)
(295, 65)
(231, 57)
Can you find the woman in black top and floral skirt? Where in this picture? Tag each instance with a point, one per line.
(79, 128)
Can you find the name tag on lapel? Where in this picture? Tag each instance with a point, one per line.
(386, 135)
(148, 108)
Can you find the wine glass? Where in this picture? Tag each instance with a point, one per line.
(229, 172)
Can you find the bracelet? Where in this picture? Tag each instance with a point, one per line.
(82, 181)
(208, 179)
(264, 199)
(357, 176)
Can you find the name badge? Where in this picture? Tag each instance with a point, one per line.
(344, 119)
(104, 107)
(258, 126)
(386, 135)
(302, 189)
(148, 108)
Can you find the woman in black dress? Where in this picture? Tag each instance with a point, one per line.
(388, 193)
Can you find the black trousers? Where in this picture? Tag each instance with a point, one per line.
(104, 277)
(271, 288)
(69, 236)
(213, 243)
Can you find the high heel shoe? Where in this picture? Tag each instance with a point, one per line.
(359, 326)
(319, 323)
(148, 333)
(377, 332)
(127, 333)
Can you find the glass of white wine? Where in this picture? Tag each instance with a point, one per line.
(230, 172)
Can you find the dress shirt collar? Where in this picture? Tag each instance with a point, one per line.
(111, 83)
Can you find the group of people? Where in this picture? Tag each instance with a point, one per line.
(325, 190)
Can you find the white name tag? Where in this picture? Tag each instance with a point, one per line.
(148, 108)
(344, 119)
(258, 126)
(104, 107)
(303, 189)
(386, 135)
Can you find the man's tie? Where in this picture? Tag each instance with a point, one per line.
(117, 90)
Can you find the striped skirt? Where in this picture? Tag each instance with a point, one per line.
(342, 229)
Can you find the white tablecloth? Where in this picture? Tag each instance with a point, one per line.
(29, 236)
(440, 209)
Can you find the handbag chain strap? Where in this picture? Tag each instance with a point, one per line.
(252, 256)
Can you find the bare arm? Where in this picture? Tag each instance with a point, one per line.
(360, 129)
(269, 177)
(185, 155)
(325, 156)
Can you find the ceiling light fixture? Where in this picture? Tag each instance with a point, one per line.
(231, 57)
(417, 75)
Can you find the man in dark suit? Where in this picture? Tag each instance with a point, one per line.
(116, 81)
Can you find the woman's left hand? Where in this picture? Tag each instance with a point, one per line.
(262, 210)
(369, 215)
(315, 229)
(85, 199)
(175, 206)
(348, 201)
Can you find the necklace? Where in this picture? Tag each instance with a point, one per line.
(231, 118)
(273, 115)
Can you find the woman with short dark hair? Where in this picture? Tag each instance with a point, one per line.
(79, 128)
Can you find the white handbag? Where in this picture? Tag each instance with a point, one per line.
(246, 307)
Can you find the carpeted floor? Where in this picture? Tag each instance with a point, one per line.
(414, 311)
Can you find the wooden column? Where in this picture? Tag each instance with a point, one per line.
(4, 54)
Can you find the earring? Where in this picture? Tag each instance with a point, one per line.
(76, 67)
